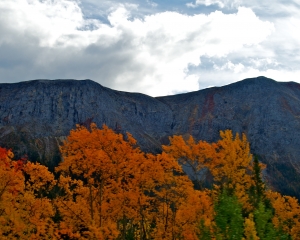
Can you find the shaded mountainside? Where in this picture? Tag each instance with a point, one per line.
(35, 116)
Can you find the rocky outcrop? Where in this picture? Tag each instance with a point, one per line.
(35, 116)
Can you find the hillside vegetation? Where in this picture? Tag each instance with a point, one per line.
(107, 188)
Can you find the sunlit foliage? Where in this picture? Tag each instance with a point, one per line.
(107, 188)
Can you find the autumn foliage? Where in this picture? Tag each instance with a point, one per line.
(107, 188)
(24, 211)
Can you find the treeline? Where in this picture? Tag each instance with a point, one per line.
(107, 188)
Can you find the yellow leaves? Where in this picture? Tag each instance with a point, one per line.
(287, 213)
(249, 229)
(36, 214)
(229, 160)
(232, 161)
(109, 189)
(39, 179)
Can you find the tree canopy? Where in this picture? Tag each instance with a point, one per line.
(107, 188)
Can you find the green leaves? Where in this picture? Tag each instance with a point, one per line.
(229, 219)
(263, 221)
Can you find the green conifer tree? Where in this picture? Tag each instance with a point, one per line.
(229, 219)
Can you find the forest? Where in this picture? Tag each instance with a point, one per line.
(106, 187)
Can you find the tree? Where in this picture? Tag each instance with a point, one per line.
(250, 229)
(192, 156)
(257, 191)
(107, 188)
(286, 214)
(231, 166)
(229, 160)
(229, 219)
(97, 180)
(263, 220)
(23, 214)
(178, 207)
(110, 189)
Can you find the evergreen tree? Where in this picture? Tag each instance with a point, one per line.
(264, 226)
(229, 219)
(257, 192)
(204, 233)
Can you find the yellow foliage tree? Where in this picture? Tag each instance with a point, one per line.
(249, 229)
(229, 160)
(287, 213)
(109, 189)
(232, 166)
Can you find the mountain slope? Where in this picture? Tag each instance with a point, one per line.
(36, 115)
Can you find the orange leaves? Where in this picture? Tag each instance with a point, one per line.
(12, 178)
(11, 185)
(109, 189)
(170, 197)
(287, 213)
(39, 179)
(104, 177)
(229, 160)
(22, 215)
(191, 155)
(197, 207)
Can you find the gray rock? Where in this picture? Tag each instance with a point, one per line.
(35, 117)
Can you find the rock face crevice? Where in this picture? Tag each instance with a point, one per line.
(35, 116)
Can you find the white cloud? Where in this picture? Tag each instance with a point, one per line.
(48, 20)
(220, 3)
(230, 73)
(206, 3)
(152, 4)
(149, 55)
(236, 68)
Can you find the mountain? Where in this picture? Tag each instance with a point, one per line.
(35, 116)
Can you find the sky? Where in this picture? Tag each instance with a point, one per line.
(153, 47)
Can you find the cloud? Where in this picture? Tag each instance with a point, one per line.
(219, 3)
(152, 4)
(151, 54)
(215, 71)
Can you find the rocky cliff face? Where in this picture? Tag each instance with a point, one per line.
(35, 116)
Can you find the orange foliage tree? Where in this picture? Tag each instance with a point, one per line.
(110, 189)
(178, 207)
(229, 161)
(193, 156)
(97, 180)
(23, 213)
(107, 188)
(287, 213)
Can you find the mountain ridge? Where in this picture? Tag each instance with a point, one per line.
(36, 115)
